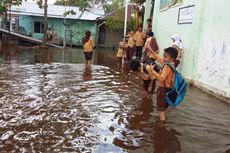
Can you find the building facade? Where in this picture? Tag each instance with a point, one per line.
(204, 29)
(72, 27)
(75, 29)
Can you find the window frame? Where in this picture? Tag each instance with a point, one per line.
(41, 27)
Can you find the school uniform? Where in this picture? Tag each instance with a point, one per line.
(139, 37)
(164, 83)
(130, 49)
(88, 49)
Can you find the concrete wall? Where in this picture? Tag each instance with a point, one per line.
(206, 41)
(75, 27)
(26, 22)
(112, 39)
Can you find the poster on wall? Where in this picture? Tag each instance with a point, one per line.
(165, 4)
(186, 15)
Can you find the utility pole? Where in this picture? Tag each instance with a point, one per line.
(137, 14)
(64, 37)
(126, 18)
(45, 22)
(8, 21)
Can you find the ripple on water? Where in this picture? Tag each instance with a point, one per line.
(61, 107)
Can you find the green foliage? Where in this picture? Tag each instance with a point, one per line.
(2, 7)
(115, 22)
(69, 13)
(40, 3)
(4, 3)
(107, 5)
(114, 5)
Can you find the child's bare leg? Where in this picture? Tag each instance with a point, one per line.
(122, 62)
(88, 62)
(150, 87)
(162, 116)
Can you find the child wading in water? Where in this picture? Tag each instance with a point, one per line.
(148, 83)
(164, 77)
(131, 45)
(88, 45)
(121, 53)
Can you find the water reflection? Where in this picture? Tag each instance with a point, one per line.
(43, 56)
(87, 74)
(165, 140)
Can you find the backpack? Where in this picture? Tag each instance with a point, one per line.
(176, 94)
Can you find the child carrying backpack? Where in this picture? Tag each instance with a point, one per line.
(171, 87)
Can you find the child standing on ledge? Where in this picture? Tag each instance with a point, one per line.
(88, 45)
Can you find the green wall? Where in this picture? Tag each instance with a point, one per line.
(206, 41)
(76, 27)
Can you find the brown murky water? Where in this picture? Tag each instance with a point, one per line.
(51, 102)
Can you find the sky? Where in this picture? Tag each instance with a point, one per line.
(49, 1)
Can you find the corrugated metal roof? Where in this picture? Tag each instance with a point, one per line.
(57, 11)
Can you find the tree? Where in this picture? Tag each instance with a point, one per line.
(114, 5)
(116, 21)
(45, 22)
(5, 3)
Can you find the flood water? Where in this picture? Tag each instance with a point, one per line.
(51, 102)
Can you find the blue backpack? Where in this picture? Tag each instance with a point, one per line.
(176, 94)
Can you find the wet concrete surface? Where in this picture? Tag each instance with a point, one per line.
(51, 102)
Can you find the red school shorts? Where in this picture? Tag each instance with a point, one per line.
(161, 100)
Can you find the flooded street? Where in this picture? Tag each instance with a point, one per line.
(51, 102)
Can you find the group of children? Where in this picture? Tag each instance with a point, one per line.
(148, 68)
(153, 68)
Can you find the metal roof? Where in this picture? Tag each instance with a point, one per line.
(57, 11)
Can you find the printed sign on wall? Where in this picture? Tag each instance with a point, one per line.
(164, 4)
(186, 14)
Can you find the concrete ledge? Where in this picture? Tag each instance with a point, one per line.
(220, 94)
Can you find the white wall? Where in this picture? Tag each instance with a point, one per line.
(214, 52)
(206, 41)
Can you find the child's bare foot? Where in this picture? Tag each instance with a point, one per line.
(145, 94)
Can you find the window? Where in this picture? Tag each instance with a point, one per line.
(38, 27)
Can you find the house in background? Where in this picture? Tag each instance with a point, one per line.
(29, 19)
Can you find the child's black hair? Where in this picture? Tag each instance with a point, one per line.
(172, 52)
(151, 34)
(149, 20)
(135, 64)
